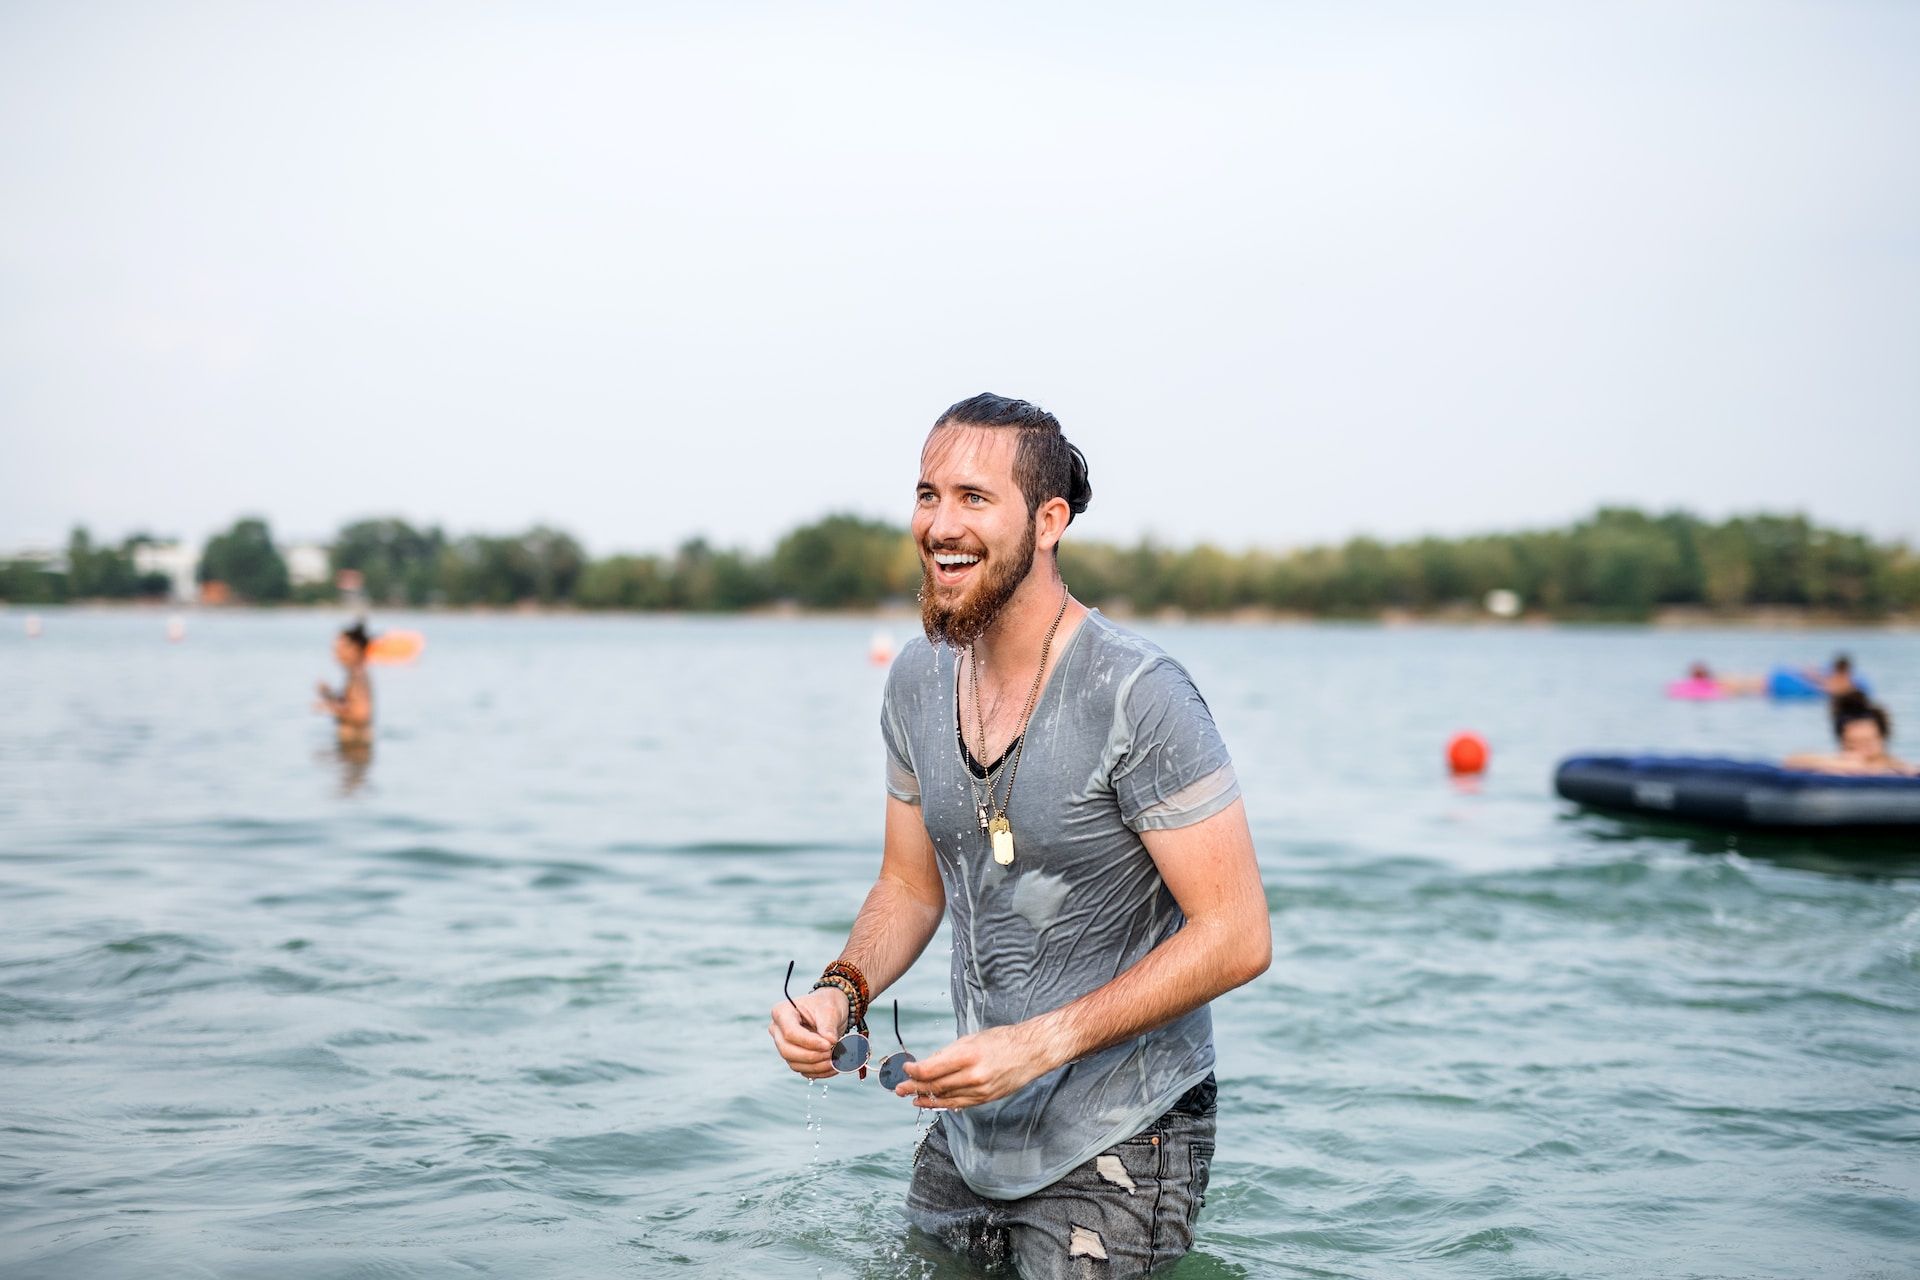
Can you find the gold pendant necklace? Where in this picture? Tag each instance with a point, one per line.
(999, 829)
(1001, 832)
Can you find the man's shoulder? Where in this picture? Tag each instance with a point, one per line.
(916, 655)
(914, 667)
(1139, 679)
(1119, 657)
(1109, 636)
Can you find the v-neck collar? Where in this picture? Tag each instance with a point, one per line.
(967, 761)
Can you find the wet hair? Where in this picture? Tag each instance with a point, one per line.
(1842, 664)
(1854, 706)
(1699, 671)
(357, 633)
(1045, 465)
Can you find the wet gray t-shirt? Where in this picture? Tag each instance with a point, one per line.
(1120, 742)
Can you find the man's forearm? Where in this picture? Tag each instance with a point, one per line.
(893, 928)
(1205, 959)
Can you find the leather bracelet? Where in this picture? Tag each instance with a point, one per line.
(862, 993)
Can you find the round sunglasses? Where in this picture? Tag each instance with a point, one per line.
(852, 1051)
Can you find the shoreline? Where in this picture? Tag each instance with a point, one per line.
(1678, 618)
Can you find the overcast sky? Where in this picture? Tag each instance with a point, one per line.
(1286, 272)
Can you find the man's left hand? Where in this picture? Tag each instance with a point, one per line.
(978, 1068)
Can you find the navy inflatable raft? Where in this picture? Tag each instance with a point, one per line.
(1740, 793)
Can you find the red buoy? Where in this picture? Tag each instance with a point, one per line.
(1467, 753)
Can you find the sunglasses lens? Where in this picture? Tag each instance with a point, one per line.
(893, 1070)
(850, 1052)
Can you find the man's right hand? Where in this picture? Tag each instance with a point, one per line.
(810, 1051)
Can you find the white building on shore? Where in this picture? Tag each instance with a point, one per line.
(176, 560)
(307, 564)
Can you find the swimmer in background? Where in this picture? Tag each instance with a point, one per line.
(352, 707)
(1838, 681)
(1700, 675)
(1863, 730)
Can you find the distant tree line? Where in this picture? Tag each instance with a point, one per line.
(839, 562)
(1618, 564)
(89, 572)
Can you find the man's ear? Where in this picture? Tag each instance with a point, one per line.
(1051, 523)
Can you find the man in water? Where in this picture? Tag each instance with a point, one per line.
(1837, 680)
(1863, 729)
(352, 707)
(1056, 784)
(1842, 693)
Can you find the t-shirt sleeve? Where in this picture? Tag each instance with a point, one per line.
(1173, 769)
(902, 783)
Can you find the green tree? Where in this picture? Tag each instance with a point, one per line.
(1364, 577)
(625, 582)
(1726, 566)
(1206, 580)
(1089, 569)
(707, 580)
(555, 562)
(541, 565)
(1851, 576)
(245, 558)
(1147, 583)
(105, 573)
(1901, 574)
(397, 562)
(31, 582)
(841, 561)
(1780, 556)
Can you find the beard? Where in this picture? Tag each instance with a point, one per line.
(961, 621)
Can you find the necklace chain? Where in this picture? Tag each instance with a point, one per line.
(973, 783)
(997, 806)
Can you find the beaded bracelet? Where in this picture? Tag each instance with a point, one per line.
(863, 994)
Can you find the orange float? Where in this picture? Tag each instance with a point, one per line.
(396, 646)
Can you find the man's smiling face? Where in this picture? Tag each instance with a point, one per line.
(972, 529)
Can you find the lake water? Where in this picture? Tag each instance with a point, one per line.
(495, 1005)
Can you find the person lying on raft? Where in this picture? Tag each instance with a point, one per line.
(352, 707)
(1863, 731)
(1700, 677)
(1836, 681)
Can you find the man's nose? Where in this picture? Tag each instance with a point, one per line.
(947, 524)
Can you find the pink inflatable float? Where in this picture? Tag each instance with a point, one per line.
(1696, 689)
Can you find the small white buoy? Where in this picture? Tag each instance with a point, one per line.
(880, 649)
(176, 629)
(1502, 603)
(33, 626)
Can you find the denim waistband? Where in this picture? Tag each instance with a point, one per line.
(1198, 1100)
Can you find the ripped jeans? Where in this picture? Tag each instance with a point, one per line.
(1127, 1212)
